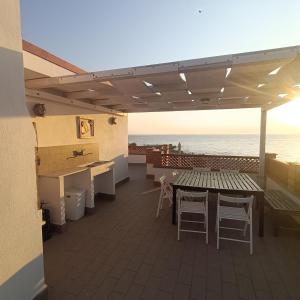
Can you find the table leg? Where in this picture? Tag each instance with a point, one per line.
(174, 220)
(261, 201)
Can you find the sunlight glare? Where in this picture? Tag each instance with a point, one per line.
(288, 113)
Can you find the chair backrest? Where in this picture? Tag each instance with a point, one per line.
(164, 185)
(229, 171)
(191, 196)
(199, 169)
(240, 200)
(163, 179)
(175, 173)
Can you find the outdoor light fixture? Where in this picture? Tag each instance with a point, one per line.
(228, 70)
(182, 76)
(148, 84)
(39, 109)
(274, 72)
(260, 85)
(135, 97)
(91, 90)
(169, 102)
(222, 89)
(189, 92)
(158, 93)
(192, 100)
(112, 121)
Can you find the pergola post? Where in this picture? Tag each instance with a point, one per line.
(262, 144)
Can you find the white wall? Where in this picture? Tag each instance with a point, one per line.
(59, 128)
(21, 251)
(40, 65)
(136, 159)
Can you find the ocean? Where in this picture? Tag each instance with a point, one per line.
(286, 146)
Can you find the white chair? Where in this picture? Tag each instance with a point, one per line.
(173, 176)
(199, 169)
(166, 192)
(235, 213)
(193, 203)
(229, 171)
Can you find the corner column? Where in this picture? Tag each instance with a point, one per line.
(262, 167)
(262, 143)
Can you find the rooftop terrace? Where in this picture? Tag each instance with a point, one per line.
(124, 252)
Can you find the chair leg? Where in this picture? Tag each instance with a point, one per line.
(218, 232)
(159, 206)
(245, 229)
(216, 224)
(206, 227)
(251, 236)
(178, 226)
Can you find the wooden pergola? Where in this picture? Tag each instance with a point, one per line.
(262, 79)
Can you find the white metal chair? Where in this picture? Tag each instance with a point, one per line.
(193, 203)
(229, 171)
(173, 176)
(235, 213)
(199, 169)
(165, 193)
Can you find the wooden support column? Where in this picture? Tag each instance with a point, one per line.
(262, 143)
(262, 168)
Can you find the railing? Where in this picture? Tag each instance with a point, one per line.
(249, 164)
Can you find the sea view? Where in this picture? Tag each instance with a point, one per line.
(286, 146)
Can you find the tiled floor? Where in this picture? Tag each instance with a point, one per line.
(124, 252)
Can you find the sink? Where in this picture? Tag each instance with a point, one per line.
(94, 164)
(97, 163)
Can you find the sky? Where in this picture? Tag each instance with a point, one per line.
(97, 35)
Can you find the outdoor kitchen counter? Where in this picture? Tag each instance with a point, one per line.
(101, 166)
(65, 172)
(95, 178)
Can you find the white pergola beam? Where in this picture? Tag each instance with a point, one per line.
(71, 102)
(179, 66)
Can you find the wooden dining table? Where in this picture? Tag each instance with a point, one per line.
(220, 182)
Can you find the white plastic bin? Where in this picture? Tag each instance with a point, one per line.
(74, 203)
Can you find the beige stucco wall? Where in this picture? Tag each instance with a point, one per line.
(59, 128)
(37, 64)
(21, 252)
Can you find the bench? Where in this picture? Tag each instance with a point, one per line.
(281, 205)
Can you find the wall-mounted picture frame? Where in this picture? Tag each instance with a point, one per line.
(85, 128)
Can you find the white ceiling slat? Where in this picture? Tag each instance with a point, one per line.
(206, 79)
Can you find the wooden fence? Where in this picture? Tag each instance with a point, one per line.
(249, 164)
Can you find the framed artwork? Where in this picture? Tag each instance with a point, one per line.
(85, 128)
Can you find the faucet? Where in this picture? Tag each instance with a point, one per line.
(77, 153)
